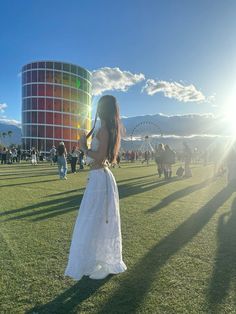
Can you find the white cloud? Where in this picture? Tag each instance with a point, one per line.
(4, 119)
(188, 115)
(106, 79)
(9, 121)
(3, 107)
(185, 93)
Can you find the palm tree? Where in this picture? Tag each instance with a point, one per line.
(4, 134)
(9, 133)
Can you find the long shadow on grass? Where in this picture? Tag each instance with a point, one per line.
(179, 194)
(224, 272)
(63, 205)
(141, 186)
(26, 167)
(137, 178)
(29, 175)
(68, 301)
(50, 209)
(66, 192)
(26, 183)
(133, 289)
(121, 186)
(136, 165)
(30, 169)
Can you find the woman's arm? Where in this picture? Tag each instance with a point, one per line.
(101, 154)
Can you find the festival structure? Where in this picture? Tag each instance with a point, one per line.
(56, 104)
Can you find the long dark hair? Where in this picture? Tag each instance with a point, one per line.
(108, 111)
(61, 150)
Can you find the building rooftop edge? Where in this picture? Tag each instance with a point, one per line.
(58, 62)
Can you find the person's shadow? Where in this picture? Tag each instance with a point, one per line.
(45, 209)
(68, 301)
(136, 284)
(179, 194)
(224, 272)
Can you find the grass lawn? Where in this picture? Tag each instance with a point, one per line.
(179, 243)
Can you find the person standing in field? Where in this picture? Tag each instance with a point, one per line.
(53, 155)
(73, 159)
(34, 157)
(96, 246)
(187, 154)
(4, 156)
(81, 160)
(169, 160)
(61, 161)
(159, 159)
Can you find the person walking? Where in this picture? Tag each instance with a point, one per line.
(187, 154)
(61, 160)
(4, 156)
(14, 155)
(81, 160)
(73, 159)
(19, 154)
(53, 155)
(169, 160)
(118, 160)
(33, 157)
(159, 159)
(96, 246)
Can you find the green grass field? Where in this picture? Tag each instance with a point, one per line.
(179, 243)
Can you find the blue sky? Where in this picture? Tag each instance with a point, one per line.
(173, 57)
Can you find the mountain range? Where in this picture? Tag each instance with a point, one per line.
(182, 125)
(15, 138)
(174, 127)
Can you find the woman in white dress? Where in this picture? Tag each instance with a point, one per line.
(33, 157)
(96, 247)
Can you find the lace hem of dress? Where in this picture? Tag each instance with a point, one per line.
(88, 270)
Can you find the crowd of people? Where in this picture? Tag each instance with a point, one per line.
(10, 155)
(16, 155)
(61, 157)
(162, 154)
(96, 243)
(164, 157)
(34, 156)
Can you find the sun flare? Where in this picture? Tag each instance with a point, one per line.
(230, 119)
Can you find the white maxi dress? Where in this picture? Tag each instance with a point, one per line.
(96, 241)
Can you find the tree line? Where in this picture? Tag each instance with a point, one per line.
(3, 135)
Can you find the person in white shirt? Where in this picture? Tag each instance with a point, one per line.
(53, 153)
(33, 157)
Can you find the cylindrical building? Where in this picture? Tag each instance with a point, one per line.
(56, 104)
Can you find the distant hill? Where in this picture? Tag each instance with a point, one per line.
(197, 130)
(178, 126)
